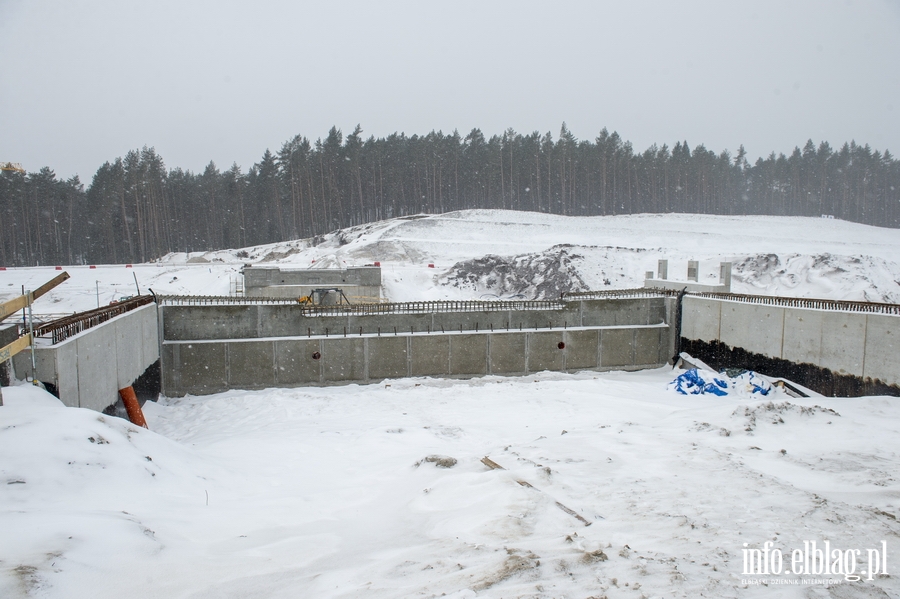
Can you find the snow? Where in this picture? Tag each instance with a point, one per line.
(327, 492)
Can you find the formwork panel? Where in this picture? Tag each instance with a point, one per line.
(468, 354)
(616, 347)
(344, 359)
(646, 346)
(544, 352)
(582, 349)
(508, 353)
(882, 347)
(429, 355)
(295, 362)
(251, 364)
(387, 357)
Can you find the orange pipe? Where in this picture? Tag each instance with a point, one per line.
(132, 406)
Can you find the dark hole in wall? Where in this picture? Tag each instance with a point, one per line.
(146, 387)
(149, 385)
(4, 373)
(822, 380)
(8, 334)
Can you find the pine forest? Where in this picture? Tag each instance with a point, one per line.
(136, 210)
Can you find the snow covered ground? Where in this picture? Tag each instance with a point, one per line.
(340, 491)
(328, 492)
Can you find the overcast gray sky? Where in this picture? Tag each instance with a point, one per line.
(83, 82)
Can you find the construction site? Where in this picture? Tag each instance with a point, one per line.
(294, 327)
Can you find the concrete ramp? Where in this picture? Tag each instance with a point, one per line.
(87, 369)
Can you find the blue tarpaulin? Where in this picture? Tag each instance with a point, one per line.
(701, 382)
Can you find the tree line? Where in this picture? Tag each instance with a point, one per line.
(135, 209)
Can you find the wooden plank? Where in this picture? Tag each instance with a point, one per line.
(491, 464)
(14, 305)
(495, 466)
(60, 278)
(15, 347)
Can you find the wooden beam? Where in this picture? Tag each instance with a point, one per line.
(495, 466)
(15, 347)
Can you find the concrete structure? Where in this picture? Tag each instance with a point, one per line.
(692, 284)
(208, 349)
(204, 367)
(203, 349)
(859, 344)
(359, 284)
(88, 369)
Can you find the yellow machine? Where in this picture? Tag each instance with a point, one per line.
(12, 166)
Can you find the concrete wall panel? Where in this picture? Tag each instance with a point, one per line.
(429, 355)
(582, 349)
(803, 331)
(468, 354)
(646, 346)
(202, 368)
(544, 352)
(387, 357)
(701, 318)
(754, 327)
(66, 374)
(295, 364)
(251, 364)
(666, 345)
(344, 359)
(129, 355)
(882, 348)
(149, 335)
(508, 353)
(186, 323)
(843, 342)
(616, 347)
(96, 355)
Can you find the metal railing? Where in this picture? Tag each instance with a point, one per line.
(802, 302)
(363, 309)
(620, 293)
(63, 328)
(501, 305)
(220, 300)
(431, 307)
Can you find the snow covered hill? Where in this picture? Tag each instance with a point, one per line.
(344, 491)
(495, 253)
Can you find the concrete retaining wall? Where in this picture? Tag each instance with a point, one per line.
(212, 366)
(88, 369)
(846, 343)
(184, 323)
